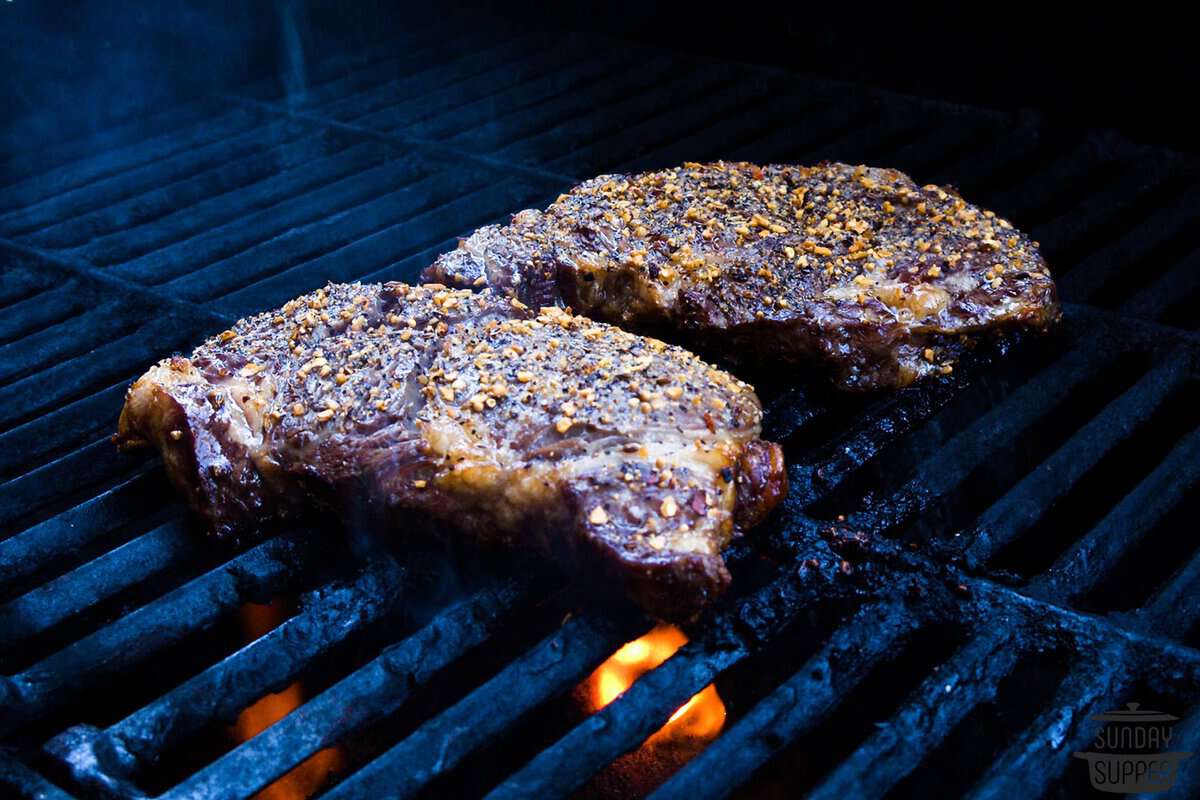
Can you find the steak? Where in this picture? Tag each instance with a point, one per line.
(857, 268)
(624, 459)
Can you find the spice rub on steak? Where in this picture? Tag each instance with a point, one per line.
(855, 267)
(623, 458)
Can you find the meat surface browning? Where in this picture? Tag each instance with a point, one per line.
(621, 457)
(858, 268)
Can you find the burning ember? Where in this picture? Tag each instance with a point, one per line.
(309, 775)
(698, 721)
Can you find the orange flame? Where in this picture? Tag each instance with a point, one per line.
(309, 775)
(699, 719)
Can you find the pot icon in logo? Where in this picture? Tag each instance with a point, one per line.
(1130, 754)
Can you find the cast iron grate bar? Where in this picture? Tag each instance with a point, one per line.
(1167, 223)
(1065, 178)
(260, 195)
(331, 73)
(1178, 285)
(40, 312)
(407, 196)
(975, 172)
(242, 142)
(1043, 750)
(40, 546)
(554, 665)
(42, 485)
(63, 265)
(375, 71)
(208, 197)
(941, 471)
(58, 679)
(20, 778)
(645, 706)
(61, 441)
(797, 705)
(1027, 501)
(509, 127)
(166, 548)
(1175, 607)
(97, 168)
(927, 156)
(377, 173)
(205, 201)
(818, 478)
(328, 617)
(371, 220)
(953, 689)
(388, 245)
(437, 76)
(1094, 556)
(368, 694)
(469, 103)
(379, 107)
(69, 157)
(657, 127)
(1102, 213)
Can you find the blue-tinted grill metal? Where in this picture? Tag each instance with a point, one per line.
(122, 247)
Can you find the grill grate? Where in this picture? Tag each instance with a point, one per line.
(120, 248)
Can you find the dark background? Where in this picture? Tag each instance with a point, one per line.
(78, 65)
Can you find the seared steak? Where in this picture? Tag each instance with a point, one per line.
(858, 268)
(617, 455)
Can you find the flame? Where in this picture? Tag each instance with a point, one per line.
(309, 775)
(699, 719)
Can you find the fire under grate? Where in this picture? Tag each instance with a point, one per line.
(994, 557)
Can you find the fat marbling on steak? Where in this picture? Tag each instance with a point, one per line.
(617, 455)
(857, 268)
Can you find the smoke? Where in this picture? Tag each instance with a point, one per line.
(293, 75)
(69, 70)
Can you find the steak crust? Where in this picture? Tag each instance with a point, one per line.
(623, 458)
(857, 268)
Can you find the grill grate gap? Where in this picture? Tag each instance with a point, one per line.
(740, 688)
(160, 560)
(1008, 464)
(219, 736)
(1092, 196)
(1184, 312)
(798, 767)
(486, 767)
(1147, 205)
(147, 513)
(57, 438)
(456, 680)
(989, 384)
(1074, 782)
(1073, 178)
(1148, 565)
(1118, 472)
(251, 621)
(952, 768)
(44, 501)
(134, 688)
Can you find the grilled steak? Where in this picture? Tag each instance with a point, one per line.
(617, 455)
(855, 267)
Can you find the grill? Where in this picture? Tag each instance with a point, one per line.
(962, 574)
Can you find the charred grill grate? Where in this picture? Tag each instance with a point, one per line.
(1007, 512)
